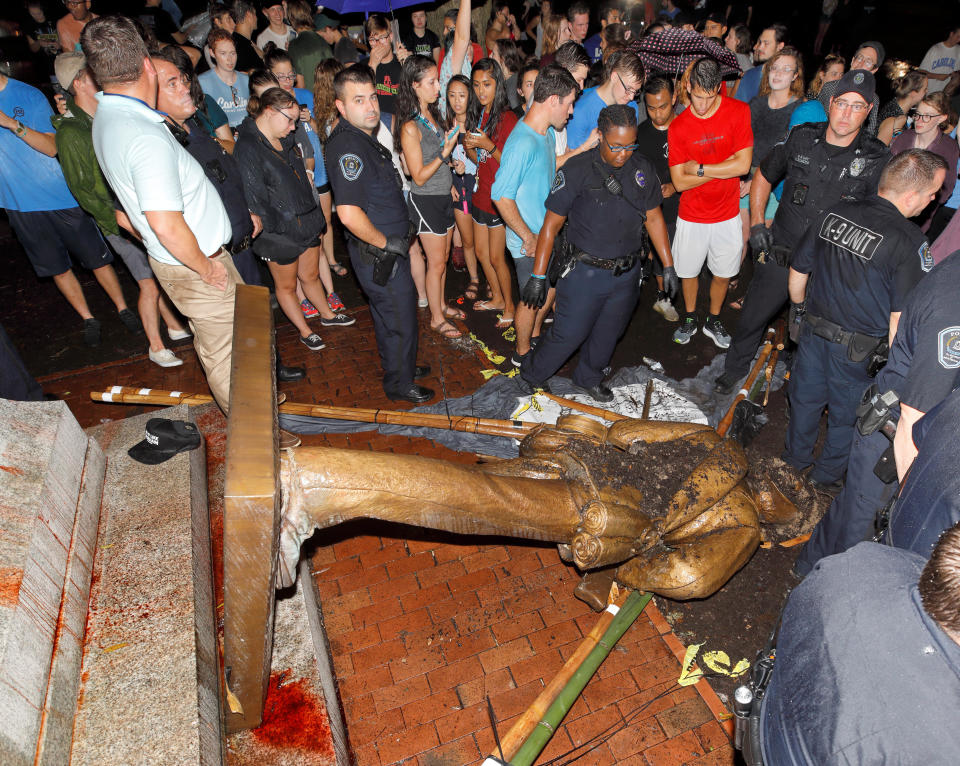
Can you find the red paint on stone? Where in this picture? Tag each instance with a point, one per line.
(294, 717)
(10, 579)
(11, 469)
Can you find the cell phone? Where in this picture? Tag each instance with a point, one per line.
(451, 132)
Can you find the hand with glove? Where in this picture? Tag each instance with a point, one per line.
(398, 245)
(671, 283)
(761, 239)
(535, 292)
(797, 310)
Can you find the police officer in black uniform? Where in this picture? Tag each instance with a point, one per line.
(608, 194)
(823, 164)
(849, 279)
(920, 373)
(370, 205)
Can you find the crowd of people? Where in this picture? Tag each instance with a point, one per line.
(560, 170)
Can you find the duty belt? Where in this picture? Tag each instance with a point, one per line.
(835, 333)
(617, 265)
(242, 245)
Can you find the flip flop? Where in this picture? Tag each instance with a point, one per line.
(451, 313)
(472, 291)
(446, 330)
(503, 323)
(485, 306)
(339, 269)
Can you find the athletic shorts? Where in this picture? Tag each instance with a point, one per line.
(484, 218)
(717, 244)
(51, 237)
(431, 213)
(133, 256)
(524, 267)
(464, 185)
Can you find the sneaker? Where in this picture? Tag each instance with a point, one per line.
(337, 320)
(309, 310)
(313, 341)
(176, 335)
(422, 303)
(686, 330)
(665, 308)
(516, 359)
(334, 302)
(288, 440)
(713, 328)
(165, 358)
(131, 321)
(91, 331)
(725, 383)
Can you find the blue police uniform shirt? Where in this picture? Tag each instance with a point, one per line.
(925, 354)
(29, 180)
(528, 164)
(231, 98)
(592, 46)
(863, 259)
(750, 84)
(603, 224)
(362, 173)
(929, 502)
(585, 113)
(863, 675)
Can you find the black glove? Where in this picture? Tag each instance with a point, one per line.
(535, 292)
(397, 245)
(797, 310)
(671, 282)
(761, 238)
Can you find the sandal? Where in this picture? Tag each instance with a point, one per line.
(451, 313)
(736, 304)
(472, 291)
(485, 306)
(446, 330)
(339, 269)
(502, 323)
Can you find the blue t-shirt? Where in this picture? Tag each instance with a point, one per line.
(594, 51)
(528, 164)
(585, 113)
(954, 202)
(231, 98)
(304, 96)
(750, 84)
(29, 180)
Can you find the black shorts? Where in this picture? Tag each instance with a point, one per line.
(50, 237)
(431, 213)
(464, 185)
(484, 218)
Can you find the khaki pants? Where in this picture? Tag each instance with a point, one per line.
(210, 312)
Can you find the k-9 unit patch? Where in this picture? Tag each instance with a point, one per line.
(948, 346)
(351, 166)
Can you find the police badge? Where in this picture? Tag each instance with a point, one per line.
(858, 78)
(948, 345)
(857, 165)
(926, 257)
(351, 166)
(641, 179)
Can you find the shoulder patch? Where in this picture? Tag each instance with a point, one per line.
(926, 257)
(559, 181)
(351, 166)
(640, 178)
(948, 347)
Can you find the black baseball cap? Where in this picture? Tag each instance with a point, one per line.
(857, 81)
(164, 438)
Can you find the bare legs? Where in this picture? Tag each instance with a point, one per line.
(465, 230)
(286, 277)
(436, 247)
(491, 244)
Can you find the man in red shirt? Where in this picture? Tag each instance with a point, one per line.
(710, 147)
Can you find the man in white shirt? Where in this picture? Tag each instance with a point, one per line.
(941, 61)
(278, 32)
(165, 193)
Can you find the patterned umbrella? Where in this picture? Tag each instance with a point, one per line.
(672, 51)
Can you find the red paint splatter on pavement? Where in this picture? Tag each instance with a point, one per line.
(11, 469)
(294, 717)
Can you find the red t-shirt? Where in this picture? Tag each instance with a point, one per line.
(487, 170)
(710, 141)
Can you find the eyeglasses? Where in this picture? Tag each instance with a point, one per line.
(631, 92)
(782, 69)
(845, 105)
(286, 77)
(292, 120)
(618, 149)
(922, 117)
(870, 63)
(379, 39)
(236, 96)
(70, 3)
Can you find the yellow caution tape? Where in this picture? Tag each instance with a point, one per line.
(688, 674)
(716, 661)
(487, 374)
(510, 334)
(492, 355)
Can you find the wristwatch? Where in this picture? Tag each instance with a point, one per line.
(700, 171)
(21, 129)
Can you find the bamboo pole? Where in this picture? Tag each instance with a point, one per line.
(543, 731)
(647, 396)
(768, 375)
(744, 392)
(590, 410)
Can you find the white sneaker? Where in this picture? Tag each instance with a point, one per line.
(178, 334)
(665, 308)
(165, 358)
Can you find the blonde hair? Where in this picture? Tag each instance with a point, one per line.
(816, 84)
(324, 97)
(551, 32)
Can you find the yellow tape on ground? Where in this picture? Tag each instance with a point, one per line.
(493, 356)
(717, 661)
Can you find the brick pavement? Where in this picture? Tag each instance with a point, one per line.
(423, 625)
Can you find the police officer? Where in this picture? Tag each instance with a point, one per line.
(862, 259)
(921, 371)
(822, 163)
(370, 205)
(608, 194)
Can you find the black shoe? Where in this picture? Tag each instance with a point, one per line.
(337, 320)
(528, 389)
(313, 341)
(516, 359)
(287, 374)
(91, 332)
(416, 394)
(598, 392)
(131, 321)
(725, 383)
(420, 371)
(832, 489)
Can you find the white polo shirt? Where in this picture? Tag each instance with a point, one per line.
(148, 170)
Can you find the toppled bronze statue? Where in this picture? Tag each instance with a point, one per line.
(659, 506)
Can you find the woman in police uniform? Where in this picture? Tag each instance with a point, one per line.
(608, 194)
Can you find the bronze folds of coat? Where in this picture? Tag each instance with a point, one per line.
(667, 502)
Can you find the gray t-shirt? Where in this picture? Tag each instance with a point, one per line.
(431, 146)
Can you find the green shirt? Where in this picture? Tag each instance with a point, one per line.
(307, 50)
(80, 168)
